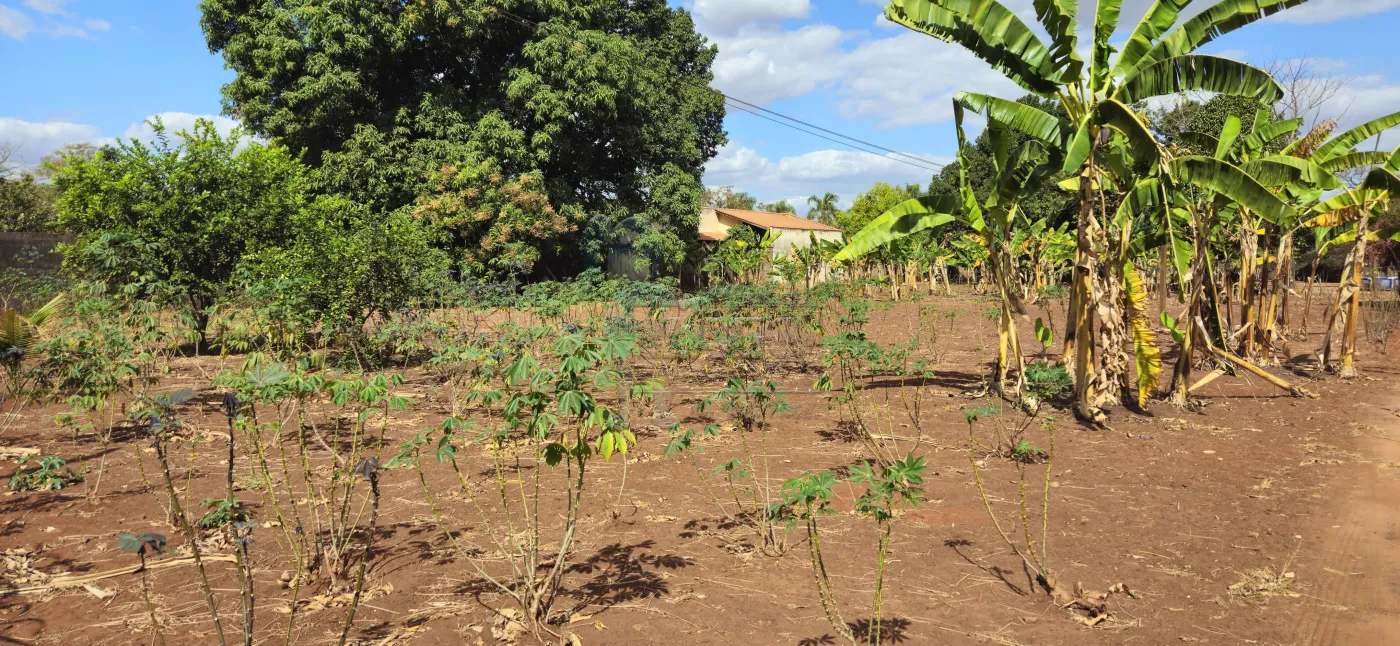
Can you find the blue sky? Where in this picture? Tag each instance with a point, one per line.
(91, 70)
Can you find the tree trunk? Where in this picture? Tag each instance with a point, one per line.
(1081, 322)
(1358, 260)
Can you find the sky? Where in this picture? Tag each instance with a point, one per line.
(94, 70)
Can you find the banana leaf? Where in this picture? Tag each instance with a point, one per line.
(1198, 72)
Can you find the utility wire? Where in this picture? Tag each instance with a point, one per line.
(756, 110)
(918, 159)
(741, 108)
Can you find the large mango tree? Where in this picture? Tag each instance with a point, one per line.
(1096, 96)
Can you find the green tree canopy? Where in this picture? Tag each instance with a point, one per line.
(1174, 124)
(606, 103)
(824, 208)
(872, 204)
(725, 197)
(781, 206)
(176, 217)
(25, 204)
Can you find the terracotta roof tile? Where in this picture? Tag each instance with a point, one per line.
(776, 220)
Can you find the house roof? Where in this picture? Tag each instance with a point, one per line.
(767, 220)
(713, 237)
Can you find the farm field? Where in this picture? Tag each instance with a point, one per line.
(1250, 517)
(730, 322)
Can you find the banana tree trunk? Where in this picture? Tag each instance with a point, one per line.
(1248, 285)
(1009, 357)
(1285, 279)
(1358, 259)
(1307, 296)
(1275, 282)
(1081, 324)
(1200, 278)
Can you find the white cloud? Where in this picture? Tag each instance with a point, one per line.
(724, 16)
(66, 31)
(843, 172)
(1325, 11)
(175, 122)
(98, 25)
(908, 95)
(766, 65)
(1363, 99)
(34, 140)
(50, 7)
(14, 24)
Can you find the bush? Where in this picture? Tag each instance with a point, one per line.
(345, 264)
(174, 220)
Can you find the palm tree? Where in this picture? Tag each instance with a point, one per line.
(823, 208)
(1103, 143)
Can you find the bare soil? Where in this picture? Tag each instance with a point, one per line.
(1256, 518)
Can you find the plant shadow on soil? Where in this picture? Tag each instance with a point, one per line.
(893, 630)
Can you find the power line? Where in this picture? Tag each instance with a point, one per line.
(755, 110)
(921, 160)
(843, 143)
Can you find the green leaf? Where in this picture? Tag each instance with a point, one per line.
(1228, 134)
(1140, 143)
(1105, 23)
(1043, 334)
(1343, 143)
(901, 221)
(1381, 179)
(1059, 17)
(990, 31)
(1020, 117)
(1264, 133)
(1198, 72)
(606, 443)
(1285, 170)
(554, 453)
(1228, 180)
(1145, 198)
(1024, 177)
(1170, 323)
(1354, 160)
(1220, 19)
(1159, 18)
(1201, 142)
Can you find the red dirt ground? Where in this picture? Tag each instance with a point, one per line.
(1178, 505)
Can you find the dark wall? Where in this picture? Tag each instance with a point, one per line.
(31, 250)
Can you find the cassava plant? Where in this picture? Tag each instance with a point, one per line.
(751, 405)
(889, 490)
(140, 545)
(164, 421)
(1036, 559)
(553, 416)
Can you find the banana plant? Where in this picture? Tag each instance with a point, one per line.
(19, 332)
(1353, 207)
(1156, 60)
(992, 220)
